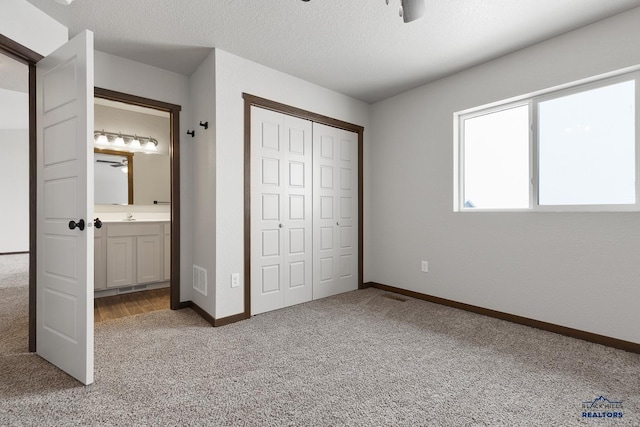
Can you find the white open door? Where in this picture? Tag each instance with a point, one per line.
(64, 307)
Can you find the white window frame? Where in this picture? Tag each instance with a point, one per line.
(533, 100)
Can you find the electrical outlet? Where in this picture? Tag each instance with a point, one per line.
(425, 267)
(235, 280)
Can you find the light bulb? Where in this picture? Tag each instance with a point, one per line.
(119, 141)
(150, 146)
(102, 140)
(135, 144)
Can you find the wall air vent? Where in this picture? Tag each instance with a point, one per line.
(129, 289)
(394, 297)
(200, 280)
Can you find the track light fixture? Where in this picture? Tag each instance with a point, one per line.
(124, 142)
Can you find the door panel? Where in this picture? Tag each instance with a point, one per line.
(119, 261)
(64, 275)
(148, 259)
(281, 233)
(335, 211)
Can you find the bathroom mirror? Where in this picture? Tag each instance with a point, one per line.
(113, 178)
(130, 176)
(124, 178)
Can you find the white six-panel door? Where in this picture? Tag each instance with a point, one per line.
(64, 278)
(304, 209)
(335, 211)
(281, 215)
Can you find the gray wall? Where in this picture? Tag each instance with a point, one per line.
(42, 34)
(14, 189)
(114, 119)
(24, 23)
(578, 270)
(233, 76)
(203, 168)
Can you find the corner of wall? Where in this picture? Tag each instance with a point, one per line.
(203, 190)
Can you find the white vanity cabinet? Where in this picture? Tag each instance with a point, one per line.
(130, 255)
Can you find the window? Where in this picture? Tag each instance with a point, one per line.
(496, 159)
(573, 149)
(586, 147)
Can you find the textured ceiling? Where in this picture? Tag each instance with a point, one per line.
(357, 47)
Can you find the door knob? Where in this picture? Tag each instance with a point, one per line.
(79, 224)
(279, 225)
(338, 223)
(97, 223)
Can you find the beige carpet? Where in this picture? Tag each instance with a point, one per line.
(359, 359)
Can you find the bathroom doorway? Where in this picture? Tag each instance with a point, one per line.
(136, 169)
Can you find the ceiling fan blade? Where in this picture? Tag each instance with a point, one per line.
(412, 10)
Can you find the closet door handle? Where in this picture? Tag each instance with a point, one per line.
(280, 225)
(338, 223)
(73, 225)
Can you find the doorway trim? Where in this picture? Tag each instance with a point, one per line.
(30, 58)
(174, 160)
(256, 101)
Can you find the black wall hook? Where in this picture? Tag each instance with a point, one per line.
(204, 125)
(192, 133)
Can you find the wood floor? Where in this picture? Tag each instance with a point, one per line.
(118, 306)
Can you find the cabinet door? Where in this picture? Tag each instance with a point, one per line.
(148, 259)
(119, 261)
(100, 267)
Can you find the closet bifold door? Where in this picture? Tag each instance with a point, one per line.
(335, 211)
(281, 210)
